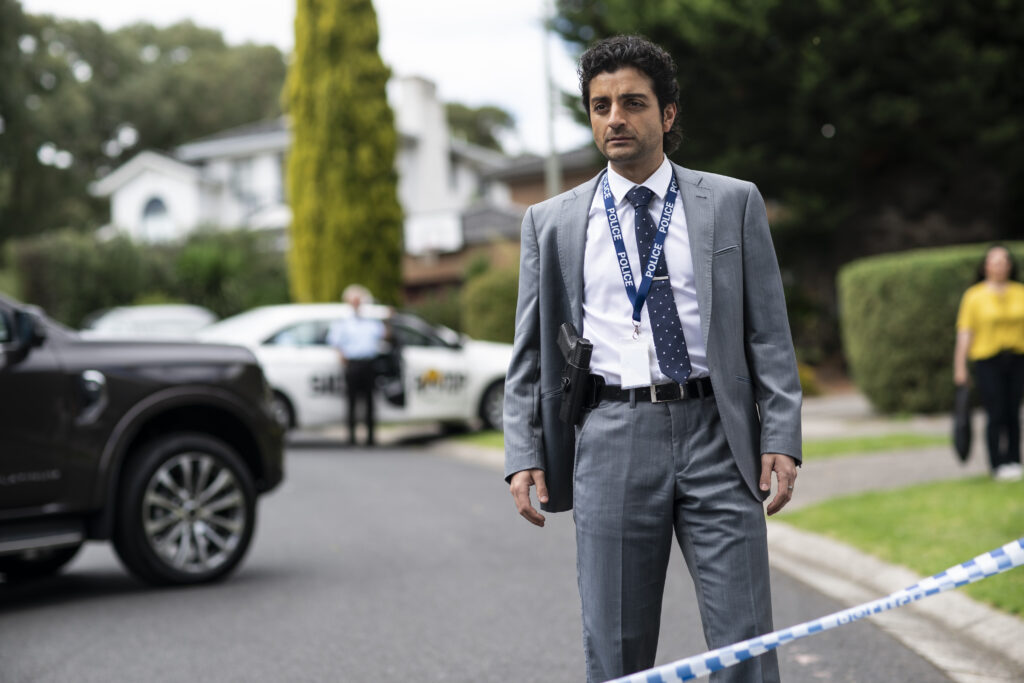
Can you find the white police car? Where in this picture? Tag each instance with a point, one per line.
(426, 373)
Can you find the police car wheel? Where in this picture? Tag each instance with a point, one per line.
(281, 409)
(492, 405)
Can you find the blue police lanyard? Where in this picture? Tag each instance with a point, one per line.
(637, 297)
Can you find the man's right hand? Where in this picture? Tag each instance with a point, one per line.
(520, 487)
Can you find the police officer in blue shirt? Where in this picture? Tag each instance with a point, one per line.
(358, 339)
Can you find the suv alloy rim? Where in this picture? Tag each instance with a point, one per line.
(194, 512)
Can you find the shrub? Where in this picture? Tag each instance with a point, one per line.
(489, 305)
(230, 271)
(808, 380)
(897, 315)
(439, 308)
(71, 274)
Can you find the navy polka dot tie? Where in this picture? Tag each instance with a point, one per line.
(669, 344)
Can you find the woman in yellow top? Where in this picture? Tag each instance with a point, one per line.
(990, 334)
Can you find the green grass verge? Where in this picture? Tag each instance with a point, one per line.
(828, 448)
(8, 283)
(931, 527)
(814, 448)
(486, 439)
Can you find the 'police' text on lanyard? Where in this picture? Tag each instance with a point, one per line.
(637, 297)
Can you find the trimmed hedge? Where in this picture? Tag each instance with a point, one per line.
(71, 274)
(489, 305)
(439, 308)
(897, 314)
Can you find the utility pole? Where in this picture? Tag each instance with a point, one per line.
(552, 168)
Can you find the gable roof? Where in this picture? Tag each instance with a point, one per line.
(141, 162)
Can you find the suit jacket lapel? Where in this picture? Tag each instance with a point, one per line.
(699, 209)
(572, 243)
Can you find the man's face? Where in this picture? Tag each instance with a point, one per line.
(627, 122)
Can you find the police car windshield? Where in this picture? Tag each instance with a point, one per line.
(410, 330)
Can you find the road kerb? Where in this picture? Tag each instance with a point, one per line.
(971, 642)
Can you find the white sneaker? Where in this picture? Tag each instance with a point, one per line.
(1009, 472)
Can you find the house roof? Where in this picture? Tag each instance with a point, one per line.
(255, 128)
(484, 159)
(261, 136)
(484, 223)
(532, 165)
(141, 162)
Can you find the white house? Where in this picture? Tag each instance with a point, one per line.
(236, 178)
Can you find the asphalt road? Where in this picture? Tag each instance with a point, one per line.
(388, 565)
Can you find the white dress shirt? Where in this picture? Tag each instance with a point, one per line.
(607, 312)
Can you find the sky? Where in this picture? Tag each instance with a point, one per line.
(476, 52)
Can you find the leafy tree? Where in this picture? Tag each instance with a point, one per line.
(26, 185)
(479, 125)
(78, 101)
(876, 126)
(347, 222)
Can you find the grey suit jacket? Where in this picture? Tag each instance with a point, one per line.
(742, 318)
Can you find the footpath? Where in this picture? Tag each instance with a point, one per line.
(969, 641)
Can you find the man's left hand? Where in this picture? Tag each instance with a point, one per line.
(784, 468)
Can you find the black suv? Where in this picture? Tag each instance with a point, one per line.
(160, 447)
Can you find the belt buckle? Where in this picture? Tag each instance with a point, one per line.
(654, 394)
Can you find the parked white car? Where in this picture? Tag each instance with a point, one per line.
(151, 321)
(427, 373)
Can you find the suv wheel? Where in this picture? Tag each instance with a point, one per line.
(186, 512)
(38, 563)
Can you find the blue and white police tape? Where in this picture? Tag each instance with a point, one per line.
(981, 567)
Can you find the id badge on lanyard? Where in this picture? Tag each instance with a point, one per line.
(635, 361)
(635, 349)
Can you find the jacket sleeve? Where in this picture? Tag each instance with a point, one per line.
(768, 341)
(522, 420)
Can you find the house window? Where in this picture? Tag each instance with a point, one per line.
(157, 225)
(242, 180)
(282, 170)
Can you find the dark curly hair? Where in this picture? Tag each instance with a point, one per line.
(612, 54)
(980, 273)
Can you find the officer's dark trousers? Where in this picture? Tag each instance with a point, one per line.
(359, 381)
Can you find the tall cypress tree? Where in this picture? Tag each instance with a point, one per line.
(347, 222)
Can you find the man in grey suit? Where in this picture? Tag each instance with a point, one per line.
(672, 276)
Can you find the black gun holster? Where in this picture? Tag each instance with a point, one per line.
(580, 389)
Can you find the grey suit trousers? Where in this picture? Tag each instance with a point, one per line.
(642, 474)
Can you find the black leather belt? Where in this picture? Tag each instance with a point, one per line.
(659, 393)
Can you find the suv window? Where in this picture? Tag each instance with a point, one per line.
(5, 328)
(310, 333)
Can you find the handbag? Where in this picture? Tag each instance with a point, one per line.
(962, 422)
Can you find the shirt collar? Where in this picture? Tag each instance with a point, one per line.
(656, 183)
